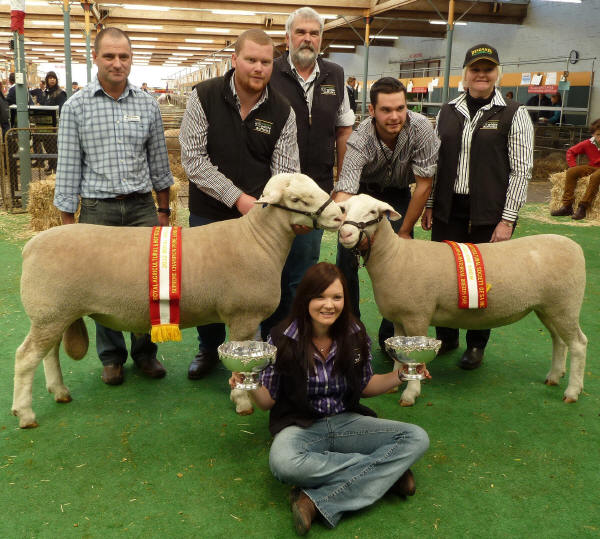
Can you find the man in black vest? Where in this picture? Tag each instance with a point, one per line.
(317, 92)
(236, 133)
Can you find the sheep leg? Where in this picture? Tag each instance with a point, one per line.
(559, 352)
(413, 387)
(54, 378)
(32, 351)
(570, 333)
(243, 330)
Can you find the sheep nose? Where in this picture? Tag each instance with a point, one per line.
(345, 234)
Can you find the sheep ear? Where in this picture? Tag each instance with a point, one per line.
(390, 212)
(273, 191)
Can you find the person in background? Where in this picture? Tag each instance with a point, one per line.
(485, 164)
(4, 113)
(145, 87)
(112, 154)
(37, 94)
(238, 110)
(316, 90)
(352, 92)
(11, 94)
(75, 87)
(590, 148)
(539, 100)
(556, 101)
(53, 95)
(509, 96)
(339, 456)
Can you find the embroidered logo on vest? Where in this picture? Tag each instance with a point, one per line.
(263, 126)
(328, 89)
(490, 124)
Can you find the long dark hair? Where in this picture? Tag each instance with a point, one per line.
(353, 346)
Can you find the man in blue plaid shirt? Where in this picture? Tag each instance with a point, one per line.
(112, 154)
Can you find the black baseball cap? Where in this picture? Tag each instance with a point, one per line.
(481, 52)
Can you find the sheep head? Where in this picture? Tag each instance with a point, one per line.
(306, 202)
(362, 215)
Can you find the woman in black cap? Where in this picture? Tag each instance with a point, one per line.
(485, 162)
(53, 95)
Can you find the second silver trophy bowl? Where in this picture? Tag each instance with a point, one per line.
(247, 358)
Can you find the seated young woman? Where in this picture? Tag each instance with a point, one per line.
(339, 456)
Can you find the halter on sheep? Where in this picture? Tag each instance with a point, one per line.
(231, 273)
(543, 273)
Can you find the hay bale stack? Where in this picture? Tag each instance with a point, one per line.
(45, 215)
(172, 139)
(549, 164)
(176, 168)
(558, 186)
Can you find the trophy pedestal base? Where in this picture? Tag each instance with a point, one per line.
(250, 382)
(410, 371)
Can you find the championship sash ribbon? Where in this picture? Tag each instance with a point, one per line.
(470, 272)
(165, 283)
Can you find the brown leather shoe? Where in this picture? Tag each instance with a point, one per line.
(405, 485)
(562, 211)
(112, 374)
(304, 511)
(471, 359)
(152, 368)
(580, 213)
(447, 347)
(202, 364)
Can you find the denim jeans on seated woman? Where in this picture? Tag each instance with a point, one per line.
(347, 461)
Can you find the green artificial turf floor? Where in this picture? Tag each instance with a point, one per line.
(170, 458)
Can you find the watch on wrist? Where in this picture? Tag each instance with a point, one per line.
(165, 210)
(508, 223)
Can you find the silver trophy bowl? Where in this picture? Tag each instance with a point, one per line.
(247, 358)
(411, 352)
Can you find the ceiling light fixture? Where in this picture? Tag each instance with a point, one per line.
(232, 12)
(145, 26)
(213, 30)
(146, 8)
(385, 37)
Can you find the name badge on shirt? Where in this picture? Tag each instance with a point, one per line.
(328, 89)
(490, 124)
(131, 118)
(263, 126)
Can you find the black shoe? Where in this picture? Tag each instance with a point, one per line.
(580, 213)
(112, 374)
(202, 364)
(447, 347)
(471, 359)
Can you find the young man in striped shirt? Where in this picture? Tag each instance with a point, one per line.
(389, 151)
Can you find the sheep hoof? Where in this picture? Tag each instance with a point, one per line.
(244, 411)
(569, 400)
(26, 420)
(406, 403)
(63, 399)
(550, 382)
(33, 425)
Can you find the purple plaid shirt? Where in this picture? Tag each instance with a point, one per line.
(325, 390)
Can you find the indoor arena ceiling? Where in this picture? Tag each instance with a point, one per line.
(186, 32)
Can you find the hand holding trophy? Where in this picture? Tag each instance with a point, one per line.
(246, 359)
(413, 354)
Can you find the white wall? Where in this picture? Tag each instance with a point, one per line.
(551, 29)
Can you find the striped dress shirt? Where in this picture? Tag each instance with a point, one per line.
(367, 160)
(520, 154)
(109, 147)
(325, 390)
(193, 137)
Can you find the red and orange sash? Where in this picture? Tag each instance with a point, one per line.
(472, 288)
(165, 283)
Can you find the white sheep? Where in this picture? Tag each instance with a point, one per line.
(231, 273)
(415, 285)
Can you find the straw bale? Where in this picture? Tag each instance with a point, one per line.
(558, 185)
(176, 168)
(45, 215)
(548, 164)
(172, 138)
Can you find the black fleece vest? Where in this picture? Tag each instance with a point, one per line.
(240, 149)
(316, 138)
(292, 406)
(489, 167)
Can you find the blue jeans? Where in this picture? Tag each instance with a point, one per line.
(399, 199)
(304, 253)
(347, 461)
(136, 211)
